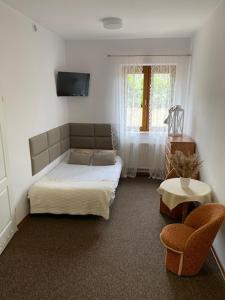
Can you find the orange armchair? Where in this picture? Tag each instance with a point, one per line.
(187, 245)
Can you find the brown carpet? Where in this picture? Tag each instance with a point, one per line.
(72, 257)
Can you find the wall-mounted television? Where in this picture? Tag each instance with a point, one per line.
(72, 84)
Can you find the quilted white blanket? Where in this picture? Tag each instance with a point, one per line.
(76, 189)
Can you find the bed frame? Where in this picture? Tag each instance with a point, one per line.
(46, 147)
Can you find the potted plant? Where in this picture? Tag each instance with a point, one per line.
(186, 167)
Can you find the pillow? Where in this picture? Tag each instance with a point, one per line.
(80, 157)
(104, 157)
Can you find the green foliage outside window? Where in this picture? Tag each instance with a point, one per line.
(135, 89)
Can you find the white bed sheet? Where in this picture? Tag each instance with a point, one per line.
(76, 189)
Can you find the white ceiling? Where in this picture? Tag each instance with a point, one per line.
(80, 19)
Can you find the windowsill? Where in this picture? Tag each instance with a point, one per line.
(155, 132)
(153, 129)
(146, 137)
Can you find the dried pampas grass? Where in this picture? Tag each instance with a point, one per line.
(185, 166)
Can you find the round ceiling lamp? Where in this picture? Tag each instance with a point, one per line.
(112, 23)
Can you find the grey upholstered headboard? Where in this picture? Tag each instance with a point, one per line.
(46, 147)
(91, 136)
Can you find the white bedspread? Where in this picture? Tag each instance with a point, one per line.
(76, 189)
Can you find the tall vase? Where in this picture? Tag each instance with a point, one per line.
(185, 182)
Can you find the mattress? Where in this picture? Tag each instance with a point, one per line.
(76, 189)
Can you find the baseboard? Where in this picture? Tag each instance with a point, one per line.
(6, 235)
(142, 174)
(218, 262)
(25, 219)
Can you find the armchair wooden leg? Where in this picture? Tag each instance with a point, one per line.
(166, 256)
(181, 264)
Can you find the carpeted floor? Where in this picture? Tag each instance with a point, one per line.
(72, 257)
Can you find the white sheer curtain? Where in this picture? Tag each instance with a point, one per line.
(144, 150)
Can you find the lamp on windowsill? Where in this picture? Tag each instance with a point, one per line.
(175, 121)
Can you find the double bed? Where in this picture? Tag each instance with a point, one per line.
(75, 189)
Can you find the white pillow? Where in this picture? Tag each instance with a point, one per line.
(104, 157)
(81, 156)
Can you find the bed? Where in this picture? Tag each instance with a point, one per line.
(76, 189)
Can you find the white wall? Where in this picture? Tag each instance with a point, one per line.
(28, 62)
(91, 57)
(207, 107)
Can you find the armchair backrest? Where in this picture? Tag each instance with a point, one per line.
(206, 219)
(205, 215)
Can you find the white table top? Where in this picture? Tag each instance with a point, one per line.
(173, 193)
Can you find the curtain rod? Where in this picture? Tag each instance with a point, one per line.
(134, 55)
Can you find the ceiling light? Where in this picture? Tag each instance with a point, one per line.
(112, 23)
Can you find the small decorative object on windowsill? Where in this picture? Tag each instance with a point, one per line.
(186, 167)
(175, 121)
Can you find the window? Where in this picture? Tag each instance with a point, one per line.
(150, 92)
(135, 99)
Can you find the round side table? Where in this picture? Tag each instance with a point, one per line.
(174, 194)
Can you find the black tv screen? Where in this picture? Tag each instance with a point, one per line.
(72, 84)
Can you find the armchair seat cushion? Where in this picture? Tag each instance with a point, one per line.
(174, 236)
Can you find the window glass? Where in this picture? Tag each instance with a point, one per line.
(160, 98)
(135, 99)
